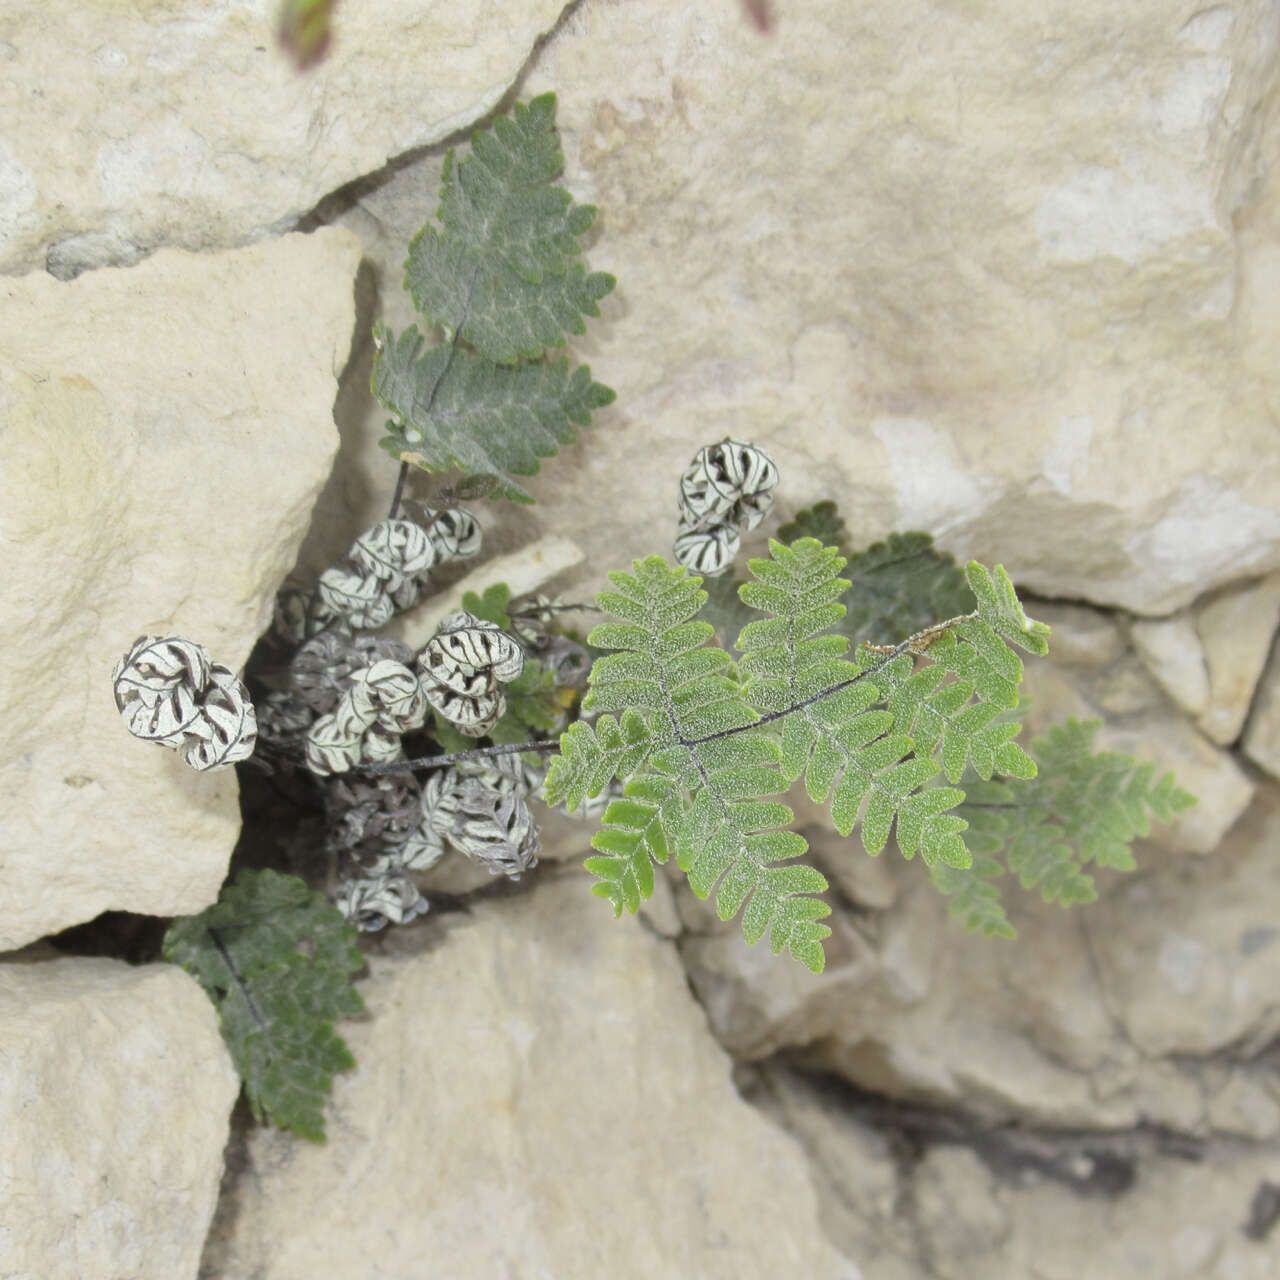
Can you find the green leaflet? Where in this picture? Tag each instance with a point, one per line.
(276, 960)
(505, 264)
(452, 409)
(1082, 806)
(502, 276)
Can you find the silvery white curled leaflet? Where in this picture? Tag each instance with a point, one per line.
(479, 808)
(463, 668)
(724, 492)
(372, 902)
(169, 691)
(382, 702)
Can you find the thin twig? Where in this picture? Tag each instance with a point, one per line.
(454, 757)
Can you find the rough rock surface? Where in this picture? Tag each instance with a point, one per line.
(1261, 741)
(164, 431)
(1093, 1018)
(1080, 386)
(1237, 629)
(535, 1096)
(115, 1090)
(132, 127)
(956, 1200)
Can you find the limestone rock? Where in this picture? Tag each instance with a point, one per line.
(183, 124)
(115, 1089)
(1082, 637)
(1173, 653)
(536, 1095)
(1070, 1025)
(1190, 953)
(1237, 629)
(166, 430)
(1006, 1205)
(975, 290)
(763, 255)
(1262, 734)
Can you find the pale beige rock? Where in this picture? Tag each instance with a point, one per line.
(1082, 637)
(1190, 952)
(1236, 629)
(1178, 1219)
(1261, 742)
(164, 431)
(128, 128)
(115, 1091)
(1244, 1107)
(1126, 458)
(536, 1095)
(1173, 653)
(964, 1201)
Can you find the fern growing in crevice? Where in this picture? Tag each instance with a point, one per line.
(502, 276)
(703, 747)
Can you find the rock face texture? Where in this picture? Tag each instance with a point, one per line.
(114, 1094)
(127, 129)
(1005, 273)
(1009, 1206)
(164, 431)
(493, 1129)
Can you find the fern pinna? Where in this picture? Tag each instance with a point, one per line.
(703, 746)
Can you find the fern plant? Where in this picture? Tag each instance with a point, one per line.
(703, 745)
(502, 276)
(847, 683)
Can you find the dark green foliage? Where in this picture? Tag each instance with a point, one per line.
(899, 586)
(505, 264)
(502, 275)
(455, 410)
(821, 521)
(490, 605)
(276, 959)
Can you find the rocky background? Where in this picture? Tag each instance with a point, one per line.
(1006, 273)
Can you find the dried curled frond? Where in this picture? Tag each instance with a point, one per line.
(372, 902)
(463, 668)
(726, 490)
(383, 701)
(169, 691)
(480, 808)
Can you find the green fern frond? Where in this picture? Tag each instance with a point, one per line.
(953, 718)
(842, 748)
(276, 959)
(704, 746)
(502, 276)
(973, 897)
(730, 838)
(505, 265)
(452, 409)
(1083, 806)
